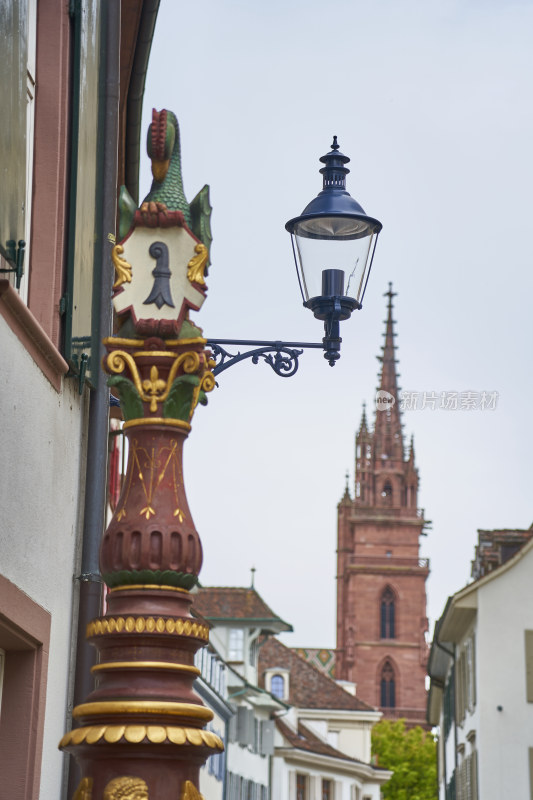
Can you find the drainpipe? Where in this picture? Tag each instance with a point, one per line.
(454, 713)
(90, 582)
(133, 131)
(450, 653)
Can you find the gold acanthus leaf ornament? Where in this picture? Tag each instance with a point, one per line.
(190, 792)
(122, 267)
(197, 264)
(152, 390)
(135, 734)
(84, 790)
(126, 788)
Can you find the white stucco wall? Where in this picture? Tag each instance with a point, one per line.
(345, 786)
(356, 741)
(211, 784)
(41, 478)
(505, 611)
(252, 766)
(349, 732)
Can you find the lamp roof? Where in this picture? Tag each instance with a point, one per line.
(334, 200)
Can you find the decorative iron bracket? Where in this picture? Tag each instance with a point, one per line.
(15, 256)
(281, 356)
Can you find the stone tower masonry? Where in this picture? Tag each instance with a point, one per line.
(381, 596)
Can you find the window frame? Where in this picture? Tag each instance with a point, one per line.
(236, 653)
(302, 786)
(387, 685)
(387, 614)
(276, 678)
(330, 793)
(25, 639)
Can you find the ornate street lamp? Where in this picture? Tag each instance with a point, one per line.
(333, 242)
(141, 731)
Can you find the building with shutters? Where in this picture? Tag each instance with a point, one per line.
(481, 676)
(323, 740)
(71, 86)
(240, 621)
(381, 577)
(211, 686)
(295, 732)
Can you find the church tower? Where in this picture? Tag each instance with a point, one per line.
(381, 594)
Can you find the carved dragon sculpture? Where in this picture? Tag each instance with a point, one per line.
(166, 201)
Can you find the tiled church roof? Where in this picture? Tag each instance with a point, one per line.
(322, 658)
(308, 688)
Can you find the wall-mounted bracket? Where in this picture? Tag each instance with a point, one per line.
(281, 356)
(15, 257)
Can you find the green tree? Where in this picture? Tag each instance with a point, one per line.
(411, 755)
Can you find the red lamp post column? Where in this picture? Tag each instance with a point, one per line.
(141, 731)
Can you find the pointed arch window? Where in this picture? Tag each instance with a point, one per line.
(388, 686)
(386, 493)
(388, 615)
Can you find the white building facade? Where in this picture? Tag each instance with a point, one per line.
(481, 686)
(323, 741)
(240, 622)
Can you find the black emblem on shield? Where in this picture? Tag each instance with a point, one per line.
(160, 294)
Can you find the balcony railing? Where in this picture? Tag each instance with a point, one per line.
(411, 714)
(389, 561)
(388, 511)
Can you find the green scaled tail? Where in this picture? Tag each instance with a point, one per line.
(170, 190)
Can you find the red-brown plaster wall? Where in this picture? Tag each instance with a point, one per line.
(25, 636)
(50, 168)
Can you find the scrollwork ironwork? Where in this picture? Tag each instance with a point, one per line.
(283, 365)
(282, 357)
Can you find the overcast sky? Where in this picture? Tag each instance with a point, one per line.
(432, 102)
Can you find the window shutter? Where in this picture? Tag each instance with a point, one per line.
(474, 776)
(13, 66)
(529, 666)
(474, 698)
(245, 726)
(292, 785)
(232, 729)
(267, 737)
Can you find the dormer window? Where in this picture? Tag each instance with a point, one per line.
(236, 645)
(277, 682)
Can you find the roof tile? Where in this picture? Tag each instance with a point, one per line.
(233, 603)
(308, 687)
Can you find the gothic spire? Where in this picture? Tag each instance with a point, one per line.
(388, 426)
(346, 495)
(363, 427)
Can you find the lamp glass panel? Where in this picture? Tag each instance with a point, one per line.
(318, 258)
